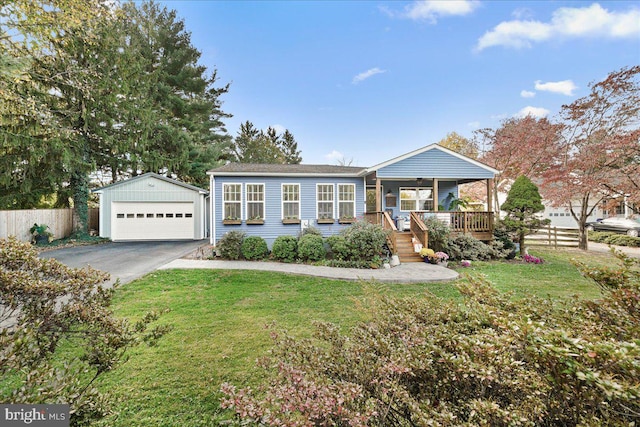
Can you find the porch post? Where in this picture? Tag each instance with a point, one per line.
(378, 195)
(435, 194)
(490, 195)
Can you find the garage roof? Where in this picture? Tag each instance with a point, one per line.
(151, 175)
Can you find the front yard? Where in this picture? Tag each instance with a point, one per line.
(219, 320)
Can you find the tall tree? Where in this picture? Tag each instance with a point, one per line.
(520, 146)
(522, 204)
(599, 157)
(255, 146)
(458, 143)
(117, 90)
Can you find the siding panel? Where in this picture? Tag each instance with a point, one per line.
(273, 226)
(434, 164)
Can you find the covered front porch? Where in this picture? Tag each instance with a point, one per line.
(403, 192)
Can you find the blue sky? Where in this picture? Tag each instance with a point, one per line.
(365, 81)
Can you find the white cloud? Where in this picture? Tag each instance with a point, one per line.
(565, 87)
(591, 21)
(431, 10)
(334, 155)
(474, 125)
(365, 75)
(527, 94)
(537, 112)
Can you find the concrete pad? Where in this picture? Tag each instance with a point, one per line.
(412, 272)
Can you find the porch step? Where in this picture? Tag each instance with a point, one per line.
(405, 249)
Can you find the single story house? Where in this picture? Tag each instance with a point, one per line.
(153, 207)
(271, 200)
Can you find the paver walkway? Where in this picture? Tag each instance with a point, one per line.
(411, 272)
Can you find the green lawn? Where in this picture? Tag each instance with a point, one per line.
(219, 320)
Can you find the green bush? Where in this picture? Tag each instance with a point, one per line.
(488, 360)
(230, 245)
(285, 248)
(59, 335)
(254, 248)
(438, 233)
(338, 249)
(365, 241)
(311, 248)
(500, 234)
(614, 239)
(470, 248)
(310, 230)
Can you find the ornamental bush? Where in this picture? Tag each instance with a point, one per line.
(59, 334)
(614, 239)
(338, 249)
(438, 233)
(470, 248)
(285, 248)
(254, 248)
(311, 248)
(488, 360)
(365, 241)
(230, 245)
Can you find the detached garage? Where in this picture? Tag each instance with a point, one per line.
(152, 207)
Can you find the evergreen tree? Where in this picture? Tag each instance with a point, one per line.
(522, 204)
(255, 146)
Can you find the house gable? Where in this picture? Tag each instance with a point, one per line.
(433, 161)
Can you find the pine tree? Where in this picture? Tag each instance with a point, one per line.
(522, 204)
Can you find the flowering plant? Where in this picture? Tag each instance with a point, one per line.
(532, 259)
(465, 263)
(427, 253)
(441, 256)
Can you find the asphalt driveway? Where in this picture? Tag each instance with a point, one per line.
(124, 260)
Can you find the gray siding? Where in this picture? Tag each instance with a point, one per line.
(434, 164)
(150, 189)
(273, 226)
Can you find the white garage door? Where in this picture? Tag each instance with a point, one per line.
(152, 221)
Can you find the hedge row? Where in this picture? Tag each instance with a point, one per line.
(361, 245)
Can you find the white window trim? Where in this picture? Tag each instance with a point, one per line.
(414, 200)
(333, 200)
(353, 202)
(224, 201)
(264, 198)
(282, 202)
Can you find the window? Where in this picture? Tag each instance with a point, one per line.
(255, 201)
(120, 216)
(290, 201)
(346, 200)
(324, 198)
(232, 201)
(416, 199)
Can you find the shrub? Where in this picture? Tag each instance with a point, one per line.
(469, 248)
(254, 248)
(500, 234)
(614, 239)
(338, 249)
(489, 360)
(285, 248)
(311, 248)
(365, 241)
(59, 334)
(230, 245)
(438, 233)
(310, 230)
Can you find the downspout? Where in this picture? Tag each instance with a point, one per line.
(212, 216)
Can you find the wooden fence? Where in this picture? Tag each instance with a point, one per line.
(60, 221)
(554, 237)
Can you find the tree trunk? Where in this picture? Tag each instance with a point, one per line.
(521, 237)
(80, 189)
